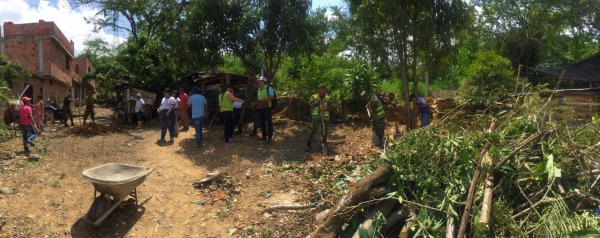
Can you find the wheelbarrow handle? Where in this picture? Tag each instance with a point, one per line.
(150, 171)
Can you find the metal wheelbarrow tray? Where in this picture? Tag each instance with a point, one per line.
(114, 182)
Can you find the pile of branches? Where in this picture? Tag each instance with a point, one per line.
(530, 171)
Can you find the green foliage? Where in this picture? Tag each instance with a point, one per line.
(434, 167)
(361, 77)
(488, 79)
(11, 72)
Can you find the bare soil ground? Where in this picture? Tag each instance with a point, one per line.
(49, 196)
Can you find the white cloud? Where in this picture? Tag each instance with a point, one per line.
(70, 21)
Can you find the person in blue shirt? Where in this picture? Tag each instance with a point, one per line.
(423, 107)
(199, 107)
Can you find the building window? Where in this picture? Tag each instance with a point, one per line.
(89, 69)
(50, 82)
(77, 69)
(41, 90)
(67, 61)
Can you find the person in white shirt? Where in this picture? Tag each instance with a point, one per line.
(167, 116)
(237, 112)
(139, 104)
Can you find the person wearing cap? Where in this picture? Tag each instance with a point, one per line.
(183, 108)
(265, 114)
(139, 105)
(424, 108)
(199, 108)
(67, 109)
(89, 108)
(26, 123)
(376, 113)
(166, 116)
(320, 115)
(250, 93)
(226, 100)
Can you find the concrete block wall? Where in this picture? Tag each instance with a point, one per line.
(56, 70)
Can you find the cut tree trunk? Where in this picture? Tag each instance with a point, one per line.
(384, 207)
(486, 205)
(397, 216)
(450, 228)
(462, 230)
(338, 215)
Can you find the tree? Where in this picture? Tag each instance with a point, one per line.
(267, 30)
(530, 32)
(488, 79)
(398, 32)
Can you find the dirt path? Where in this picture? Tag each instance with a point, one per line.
(49, 196)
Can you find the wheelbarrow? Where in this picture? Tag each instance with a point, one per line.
(114, 182)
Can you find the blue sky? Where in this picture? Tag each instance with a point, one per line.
(71, 21)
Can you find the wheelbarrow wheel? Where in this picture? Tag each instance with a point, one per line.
(99, 206)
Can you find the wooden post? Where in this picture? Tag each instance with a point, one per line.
(517, 80)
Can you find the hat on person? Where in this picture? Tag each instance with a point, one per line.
(262, 79)
(25, 99)
(138, 95)
(363, 93)
(321, 85)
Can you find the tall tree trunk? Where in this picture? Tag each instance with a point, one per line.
(415, 83)
(403, 59)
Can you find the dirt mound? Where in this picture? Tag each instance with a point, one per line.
(95, 129)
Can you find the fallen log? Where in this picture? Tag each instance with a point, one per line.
(395, 217)
(406, 229)
(384, 208)
(361, 192)
(486, 205)
(462, 230)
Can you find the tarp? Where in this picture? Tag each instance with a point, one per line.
(586, 70)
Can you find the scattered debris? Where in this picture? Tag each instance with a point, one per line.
(34, 157)
(212, 176)
(6, 190)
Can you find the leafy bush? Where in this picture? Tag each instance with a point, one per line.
(434, 167)
(488, 79)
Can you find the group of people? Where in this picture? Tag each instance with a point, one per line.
(31, 116)
(259, 102)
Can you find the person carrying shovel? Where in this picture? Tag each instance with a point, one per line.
(376, 116)
(320, 116)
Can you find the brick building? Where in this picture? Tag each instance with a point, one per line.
(42, 49)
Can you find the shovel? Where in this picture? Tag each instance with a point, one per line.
(211, 122)
(323, 145)
(374, 139)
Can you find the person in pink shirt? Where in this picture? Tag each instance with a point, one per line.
(26, 123)
(38, 113)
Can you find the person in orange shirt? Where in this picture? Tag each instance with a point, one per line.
(183, 97)
(38, 113)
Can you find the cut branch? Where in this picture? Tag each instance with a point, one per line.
(525, 143)
(486, 205)
(290, 207)
(384, 208)
(469, 203)
(360, 193)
